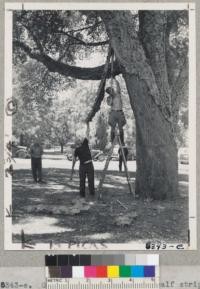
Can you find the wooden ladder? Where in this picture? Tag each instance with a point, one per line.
(101, 182)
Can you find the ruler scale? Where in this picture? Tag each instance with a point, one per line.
(118, 284)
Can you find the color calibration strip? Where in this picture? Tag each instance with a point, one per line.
(102, 266)
(101, 272)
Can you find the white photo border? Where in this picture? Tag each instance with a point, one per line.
(192, 233)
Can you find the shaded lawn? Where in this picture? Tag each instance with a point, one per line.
(156, 220)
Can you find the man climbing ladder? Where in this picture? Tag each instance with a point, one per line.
(116, 116)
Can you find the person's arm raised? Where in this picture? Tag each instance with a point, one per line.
(116, 86)
(73, 165)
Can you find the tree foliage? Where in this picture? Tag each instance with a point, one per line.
(70, 36)
(35, 89)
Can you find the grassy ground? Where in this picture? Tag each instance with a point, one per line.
(52, 211)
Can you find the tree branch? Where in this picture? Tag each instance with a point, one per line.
(93, 44)
(81, 42)
(36, 40)
(94, 73)
(85, 28)
(101, 89)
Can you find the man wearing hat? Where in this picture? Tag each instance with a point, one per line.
(86, 168)
(116, 115)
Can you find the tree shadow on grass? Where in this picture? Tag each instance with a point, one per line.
(161, 220)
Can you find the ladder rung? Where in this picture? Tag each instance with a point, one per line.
(107, 164)
(126, 168)
(105, 169)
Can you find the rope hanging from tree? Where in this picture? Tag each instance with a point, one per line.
(101, 88)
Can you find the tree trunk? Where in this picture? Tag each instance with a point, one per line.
(156, 153)
(157, 166)
(152, 32)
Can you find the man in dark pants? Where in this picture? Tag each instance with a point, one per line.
(125, 151)
(116, 115)
(86, 167)
(36, 162)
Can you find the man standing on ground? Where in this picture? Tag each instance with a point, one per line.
(116, 116)
(36, 161)
(125, 151)
(86, 168)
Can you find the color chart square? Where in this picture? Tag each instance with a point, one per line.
(137, 271)
(85, 260)
(141, 260)
(153, 259)
(90, 271)
(101, 271)
(74, 260)
(125, 271)
(54, 272)
(113, 271)
(63, 260)
(97, 260)
(78, 272)
(50, 260)
(130, 259)
(66, 271)
(149, 271)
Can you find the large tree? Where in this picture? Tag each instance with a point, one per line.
(145, 45)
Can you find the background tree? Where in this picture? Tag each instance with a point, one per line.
(151, 54)
(34, 88)
(57, 126)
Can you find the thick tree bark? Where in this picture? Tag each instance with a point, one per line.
(156, 157)
(152, 31)
(157, 171)
(172, 79)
